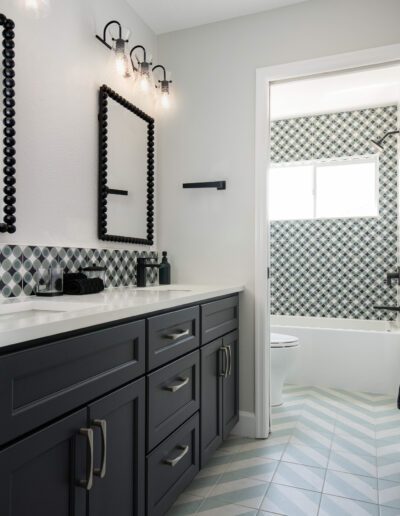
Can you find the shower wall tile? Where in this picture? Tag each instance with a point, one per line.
(336, 267)
(20, 266)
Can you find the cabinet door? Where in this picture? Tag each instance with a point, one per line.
(41, 475)
(212, 367)
(118, 422)
(230, 405)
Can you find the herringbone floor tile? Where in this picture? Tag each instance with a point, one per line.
(330, 453)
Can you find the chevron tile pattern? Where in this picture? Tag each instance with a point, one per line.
(330, 453)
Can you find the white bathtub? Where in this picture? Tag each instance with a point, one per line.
(344, 353)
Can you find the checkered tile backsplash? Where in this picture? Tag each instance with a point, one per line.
(19, 265)
(336, 267)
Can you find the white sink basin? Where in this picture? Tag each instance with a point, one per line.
(161, 289)
(28, 308)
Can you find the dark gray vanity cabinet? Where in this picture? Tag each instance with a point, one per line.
(118, 419)
(119, 424)
(219, 373)
(172, 466)
(41, 474)
(230, 384)
(219, 392)
(88, 464)
(212, 370)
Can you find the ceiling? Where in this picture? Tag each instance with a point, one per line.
(169, 15)
(333, 93)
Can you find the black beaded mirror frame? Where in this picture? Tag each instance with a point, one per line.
(104, 94)
(9, 161)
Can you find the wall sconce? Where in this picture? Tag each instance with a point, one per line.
(164, 86)
(143, 69)
(121, 59)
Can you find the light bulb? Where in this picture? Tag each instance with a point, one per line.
(144, 83)
(122, 64)
(165, 100)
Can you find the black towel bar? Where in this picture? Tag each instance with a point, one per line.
(219, 185)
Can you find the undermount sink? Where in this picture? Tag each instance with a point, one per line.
(162, 289)
(27, 308)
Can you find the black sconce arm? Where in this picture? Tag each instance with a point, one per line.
(163, 69)
(164, 80)
(104, 38)
(135, 68)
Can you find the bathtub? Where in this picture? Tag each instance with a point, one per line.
(344, 353)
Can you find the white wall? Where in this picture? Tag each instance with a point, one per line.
(60, 66)
(209, 133)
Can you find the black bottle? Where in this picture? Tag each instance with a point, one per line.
(164, 271)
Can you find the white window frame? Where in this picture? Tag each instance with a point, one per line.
(318, 163)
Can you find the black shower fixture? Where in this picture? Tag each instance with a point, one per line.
(378, 144)
(121, 59)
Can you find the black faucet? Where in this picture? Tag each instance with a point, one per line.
(390, 276)
(142, 265)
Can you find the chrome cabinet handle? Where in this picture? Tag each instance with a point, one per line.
(224, 373)
(173, 388)
(88, 433)
(102, 424)
(174, 462)
(230, 361)
(177, 335)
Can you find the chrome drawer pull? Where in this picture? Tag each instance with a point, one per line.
(88, 433)
(102, 424)
(174, 462)
(178, 335)
(174, 388)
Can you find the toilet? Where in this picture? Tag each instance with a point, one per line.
(284, 349)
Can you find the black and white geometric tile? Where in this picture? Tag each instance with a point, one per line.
(336, 267)
(20, 265)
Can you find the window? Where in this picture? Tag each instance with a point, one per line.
(324, 189)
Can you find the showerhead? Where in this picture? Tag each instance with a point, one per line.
(377, 145)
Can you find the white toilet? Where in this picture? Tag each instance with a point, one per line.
(284, 349)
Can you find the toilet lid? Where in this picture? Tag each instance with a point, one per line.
(279, 340)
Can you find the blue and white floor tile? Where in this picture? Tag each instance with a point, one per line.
(331, 453)
(291, 501)
(352, 486)
(351, 463)
(297, 475)
(337, 506)
(389, 493)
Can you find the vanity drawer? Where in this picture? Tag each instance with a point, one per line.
(172, 466)
(219, 318)
(42, 383)
(173, 396)
(172, 335)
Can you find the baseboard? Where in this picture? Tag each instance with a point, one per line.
(246, 426)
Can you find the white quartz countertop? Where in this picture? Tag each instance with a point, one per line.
(24, 319)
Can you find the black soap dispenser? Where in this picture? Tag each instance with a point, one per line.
(164, 271)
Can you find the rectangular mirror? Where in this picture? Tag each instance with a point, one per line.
(126, 171)
(7, 141)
